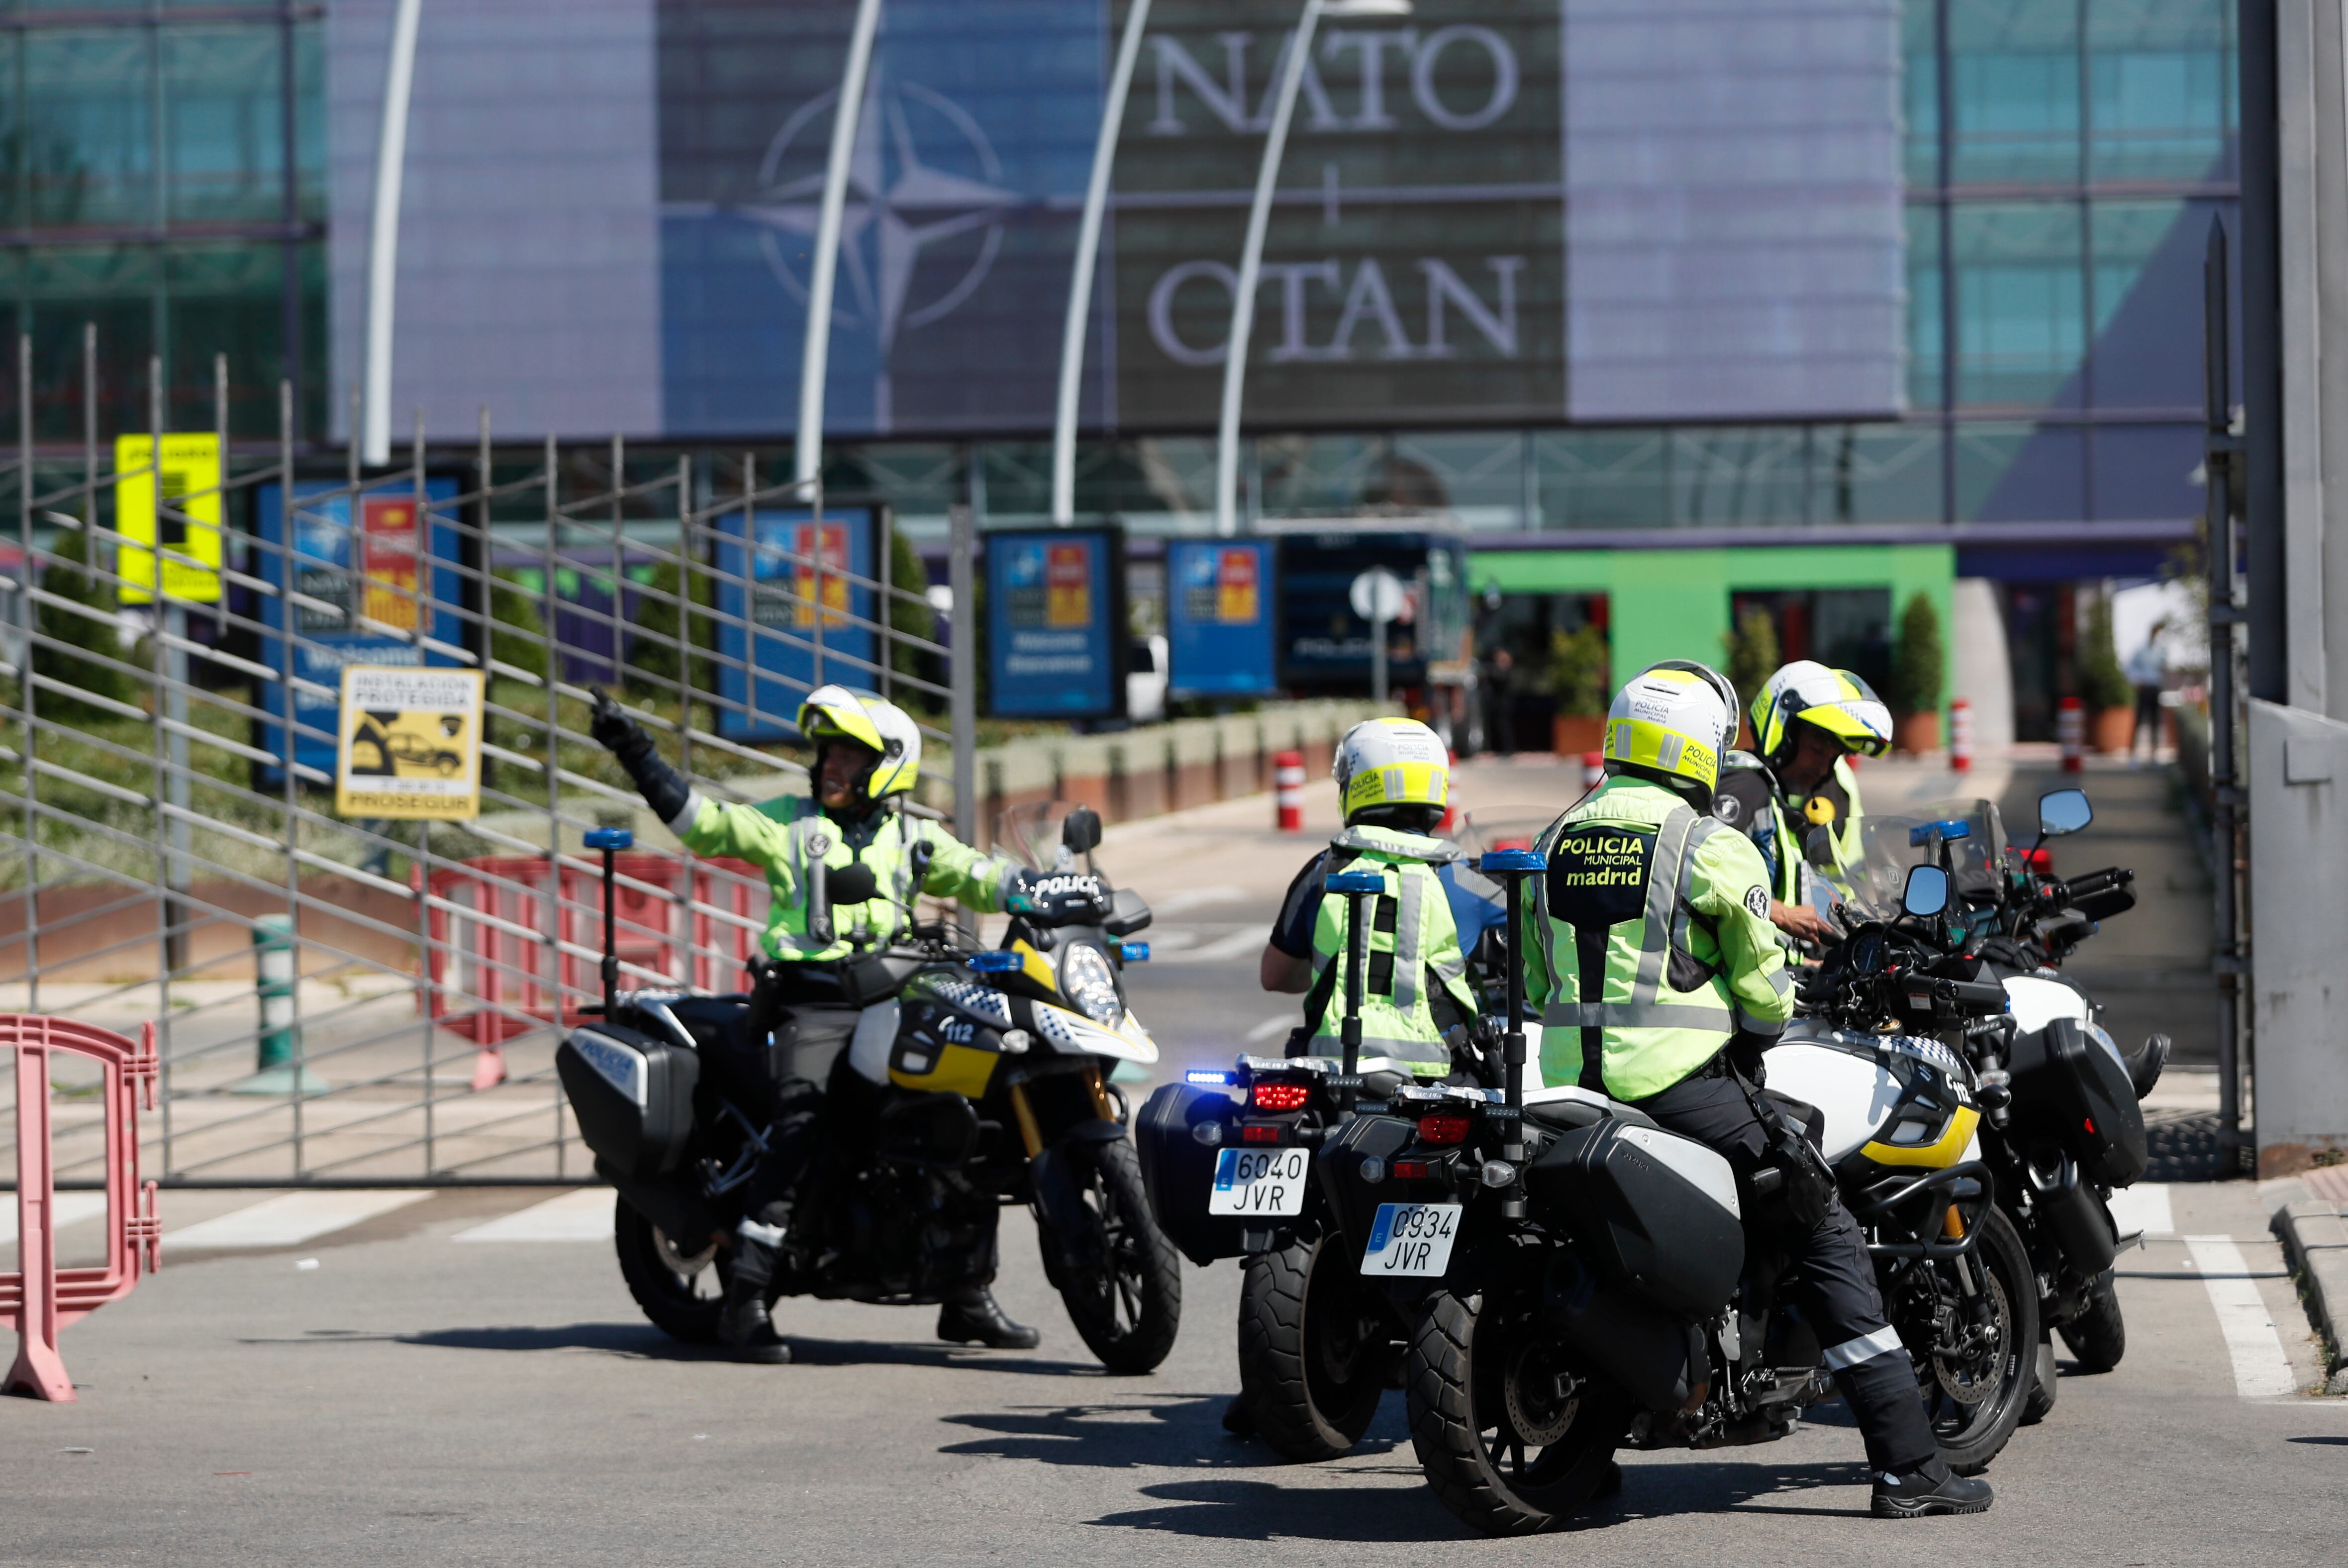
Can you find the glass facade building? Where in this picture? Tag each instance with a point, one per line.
(1598, 279)
(164, 185)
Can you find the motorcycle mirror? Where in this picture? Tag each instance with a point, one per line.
(1927, 891)
(1081, 831)
(2064, 812)
(852, 883)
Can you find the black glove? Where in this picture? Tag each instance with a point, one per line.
(1056, 898)
(663, 787)
(614, 731)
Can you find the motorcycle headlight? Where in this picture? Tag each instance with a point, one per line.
(1090, 985)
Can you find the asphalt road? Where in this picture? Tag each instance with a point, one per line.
(411, 1397)
(307, 1384)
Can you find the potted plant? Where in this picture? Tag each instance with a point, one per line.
(1916, 673)
(1577, 686)
(1752, 660)
(2103, 688)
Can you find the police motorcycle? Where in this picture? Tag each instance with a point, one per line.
(2063, 1127)
(1228, 1157)
(989, 1069)
(1581, 1279)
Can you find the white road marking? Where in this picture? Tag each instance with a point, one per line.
(1271, 1026)
(581, 1216)
(2260, 1369)
(1243, 943)
(293, 1218)
(2144, 1207)
(68, 1209)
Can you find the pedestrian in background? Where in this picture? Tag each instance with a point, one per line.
(2148, 671)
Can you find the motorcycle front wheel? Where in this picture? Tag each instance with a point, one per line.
(1313, 1351)
(1123, 1285)
(1513, 1441)
(680, 1294)
(1976, 1392)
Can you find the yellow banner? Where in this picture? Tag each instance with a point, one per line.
(188, 518)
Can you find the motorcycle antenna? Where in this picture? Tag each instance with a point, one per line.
(1510, 868)
(610, 841)
(1355, 886)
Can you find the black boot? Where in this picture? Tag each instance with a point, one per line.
(743, 1324)
(972, 1316)
(1933, 1488)
(744, 1328)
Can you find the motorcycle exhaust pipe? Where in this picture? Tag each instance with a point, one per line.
(2071, 1214)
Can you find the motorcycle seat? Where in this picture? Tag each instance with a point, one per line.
(1568, 1107)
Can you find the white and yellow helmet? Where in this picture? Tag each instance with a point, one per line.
(1837, 701)
(836, 713)
(1676, 717)
(1391, 762)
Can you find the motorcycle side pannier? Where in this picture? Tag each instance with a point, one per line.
(1177, 1170)
(633, 1095)
(2071, 1084)
(1657, 1211)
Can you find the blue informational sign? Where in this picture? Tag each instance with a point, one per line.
(790, 652)
(1056, 623)
(1218, 617)
(357, 572)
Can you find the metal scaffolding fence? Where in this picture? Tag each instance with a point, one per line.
(343, 1000)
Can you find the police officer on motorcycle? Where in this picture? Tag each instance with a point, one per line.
(1395, 776)
(1661, 980)
(868, 754)
(1808, 721)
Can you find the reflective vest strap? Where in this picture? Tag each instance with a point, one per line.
(814, 898)
(1637, 1016)
(1663, 872)
(1360, 840)
(1406, 949)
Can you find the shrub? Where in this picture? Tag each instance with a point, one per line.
(2102, 681)
(1752, 655)
(516, 633)
(1578, 667)
(71, 638)
(1917, 661)
(653, 644)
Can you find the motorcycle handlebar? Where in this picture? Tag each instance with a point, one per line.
(2090, 883)
(1973, 993)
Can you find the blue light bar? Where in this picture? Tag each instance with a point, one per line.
(1357, 881)
(996, 962)
(1134, 952)
(1204, 1076)
(1950, 829)
(1512, 860)
(610, 839)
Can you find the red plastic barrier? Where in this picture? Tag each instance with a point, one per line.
(1287, 792)
(1961, 737)
(488, 915)
(2070, 728)
(40, 1299)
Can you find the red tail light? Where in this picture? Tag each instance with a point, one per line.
(2091, 1124)
(1280, 1096)
(1410, 1170)
(1446, 1127)
(1258, 1134)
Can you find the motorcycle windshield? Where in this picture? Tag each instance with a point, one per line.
(1031, 835)
(1872, 884)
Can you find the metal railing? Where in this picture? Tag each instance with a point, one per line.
(163, 811)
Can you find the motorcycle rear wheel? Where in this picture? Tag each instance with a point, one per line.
(1465, 1425)
(1127, 1302)
(1971, 1435)
(2098, 1336)
(681, 1304)
(1312, 1354)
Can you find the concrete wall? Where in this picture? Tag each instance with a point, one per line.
(2297, 764)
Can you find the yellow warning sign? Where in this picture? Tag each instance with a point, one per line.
(188, 522)
(411, 744)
